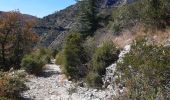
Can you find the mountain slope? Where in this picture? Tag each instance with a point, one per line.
(55, 26)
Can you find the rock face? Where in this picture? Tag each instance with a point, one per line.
(109, 79)
(53, 28)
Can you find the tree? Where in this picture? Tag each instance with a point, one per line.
(156, 13)
(73, 56)
(88, 17)
(16, 39)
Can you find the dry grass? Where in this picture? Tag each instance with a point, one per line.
(128, 36)
(154, 37)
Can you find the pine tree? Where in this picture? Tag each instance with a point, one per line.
(73, 55)
(88, 17)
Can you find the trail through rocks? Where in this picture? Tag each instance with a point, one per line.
(53, 85)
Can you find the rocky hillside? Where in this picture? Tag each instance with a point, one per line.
(53, 28)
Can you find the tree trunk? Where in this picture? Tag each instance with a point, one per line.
(3, 55)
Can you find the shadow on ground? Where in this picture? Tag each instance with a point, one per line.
(48, 73)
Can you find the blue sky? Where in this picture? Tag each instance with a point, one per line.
(39, 8)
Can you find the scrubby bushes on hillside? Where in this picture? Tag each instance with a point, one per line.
(146, 71)
(125, 17)
(73, 56)
(34, 62)
(59, 58)
(150, 13)
(11, 86)
(102, 58)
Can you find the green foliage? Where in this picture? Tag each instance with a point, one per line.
(94, 80)
(34, 62)
(43, 54)
(55, 52)
(125, 17)
(155, 13)
(145, 71)
(104, 56)
(90, 46)
(73, 56)
(88, 18)
(152, 13)
(59, 58)
(11, 86)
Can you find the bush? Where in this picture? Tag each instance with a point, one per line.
(73, 56)
(34, 62)
(11, 86)
(59, 58)
(94, 80)
(89, 46)
(145, 71)
(104, 56)
(43, 54)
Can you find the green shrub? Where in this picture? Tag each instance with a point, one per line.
(11, 87)
(73, 56)
(59, 58)
(32, 64)
(104, 56)
(146, 71)
(89, 46)
(94, 80)
(43, 54)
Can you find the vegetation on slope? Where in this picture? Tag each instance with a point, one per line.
(16, 39)
(153, 14)
(145, 71)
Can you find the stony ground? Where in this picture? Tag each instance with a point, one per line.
(53, 85)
